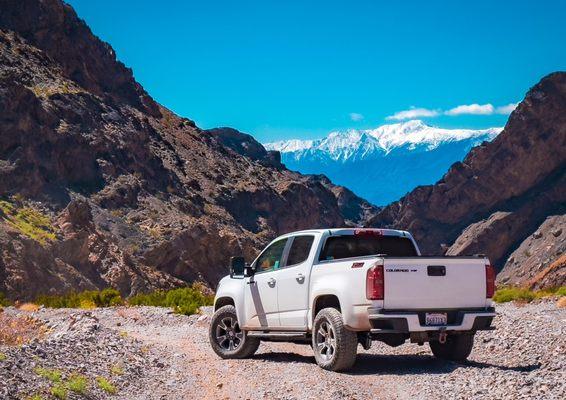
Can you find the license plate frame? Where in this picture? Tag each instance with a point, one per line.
(436, 319)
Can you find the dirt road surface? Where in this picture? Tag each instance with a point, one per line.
(168, 357)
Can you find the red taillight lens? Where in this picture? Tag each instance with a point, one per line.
(489, 281)
(375, 283)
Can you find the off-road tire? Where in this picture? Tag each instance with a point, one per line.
(456, 348)
(241, 346)
(345, 341)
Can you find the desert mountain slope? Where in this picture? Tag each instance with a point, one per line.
(100, 185)
(502, 191)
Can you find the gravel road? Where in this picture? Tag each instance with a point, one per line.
(162, 355)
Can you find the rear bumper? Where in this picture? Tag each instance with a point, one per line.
(407, 321)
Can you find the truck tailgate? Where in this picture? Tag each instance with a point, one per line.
(434, 283)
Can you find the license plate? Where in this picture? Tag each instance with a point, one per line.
(436, 319)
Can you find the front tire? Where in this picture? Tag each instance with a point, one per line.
(226, 337)
(334, 346)
(456, 348)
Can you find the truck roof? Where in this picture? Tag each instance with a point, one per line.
(351, 231)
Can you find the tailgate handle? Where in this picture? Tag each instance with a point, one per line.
(436, 270)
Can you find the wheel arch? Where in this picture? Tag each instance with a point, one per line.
(223, 301)
(325, 301)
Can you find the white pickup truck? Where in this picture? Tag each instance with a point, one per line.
(337, 288)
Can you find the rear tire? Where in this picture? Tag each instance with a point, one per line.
(334, 346)
(226, 337)
(456, 348)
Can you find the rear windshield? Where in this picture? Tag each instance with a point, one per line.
(337, 247)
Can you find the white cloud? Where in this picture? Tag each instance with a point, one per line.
(464, 109)
(356, 116)
(506, 110)
(475, 109)
(412, 113)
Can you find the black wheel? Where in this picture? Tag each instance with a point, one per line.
(456, 348)
(226, 337)
(334, 346)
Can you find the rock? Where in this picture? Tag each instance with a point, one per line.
(540, 260)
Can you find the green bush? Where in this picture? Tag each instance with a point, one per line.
(28, 221)
(183, 300)
(87, 299)
(53, 375)
(506, 294)
(512, 293)
(59, 391)
(105, 385)
(77, 383)
(4, 302)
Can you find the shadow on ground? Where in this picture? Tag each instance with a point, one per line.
(406, 364)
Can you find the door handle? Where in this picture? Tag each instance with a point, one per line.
(300, 278)
(271, 282)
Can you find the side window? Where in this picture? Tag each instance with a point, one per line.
(271, 257)
(300, 249)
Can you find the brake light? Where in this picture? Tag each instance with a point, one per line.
(375, 287)
(489, 281)
(368, 232)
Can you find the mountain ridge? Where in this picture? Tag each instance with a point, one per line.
(385, 138)
(398, 156)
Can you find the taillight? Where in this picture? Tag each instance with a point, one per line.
(489, 281)
(375, 283)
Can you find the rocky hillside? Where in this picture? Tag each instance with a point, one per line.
(100, 185)
(501, 193)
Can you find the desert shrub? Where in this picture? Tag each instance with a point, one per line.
(105, 385)
(110, 297)
(52, 375)
(4, 302)
(87, 299)
(28, 221)
(77, 383)
(116, 370)
(507, 294)
(59, 391)
(183, 300)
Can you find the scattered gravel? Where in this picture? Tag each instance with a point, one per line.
(164, 355)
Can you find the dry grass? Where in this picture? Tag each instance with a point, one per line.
(48, 90)
(17, 330)
(30, 307)
(553, 268)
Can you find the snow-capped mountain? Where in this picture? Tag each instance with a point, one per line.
(384, 163)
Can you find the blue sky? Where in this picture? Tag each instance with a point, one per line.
(298, 69)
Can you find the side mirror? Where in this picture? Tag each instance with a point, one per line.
(237, 266)
(249, 271)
